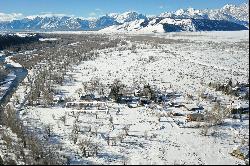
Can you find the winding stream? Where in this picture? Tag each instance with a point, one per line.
(20, 73)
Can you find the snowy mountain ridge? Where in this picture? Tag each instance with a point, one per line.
(226, 12)
(237, 16)
(161, 25)
(229, 17)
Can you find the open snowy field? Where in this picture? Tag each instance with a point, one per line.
(215, 36)
(182, 62)
(149, 141)
(187, 65)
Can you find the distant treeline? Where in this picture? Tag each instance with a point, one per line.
(9, 40)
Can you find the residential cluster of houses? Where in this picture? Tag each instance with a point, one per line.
(167, 100)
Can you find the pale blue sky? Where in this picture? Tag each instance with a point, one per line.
(93, 8)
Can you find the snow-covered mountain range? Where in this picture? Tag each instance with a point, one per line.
(238, 14)
(229, 17)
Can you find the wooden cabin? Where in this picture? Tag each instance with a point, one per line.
(195, 117)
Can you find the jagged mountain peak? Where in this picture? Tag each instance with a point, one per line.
(228, 6)
(127, 16)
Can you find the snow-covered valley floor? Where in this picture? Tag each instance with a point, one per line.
(143, 135)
